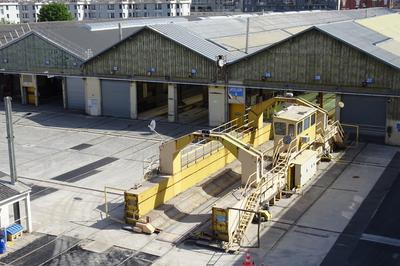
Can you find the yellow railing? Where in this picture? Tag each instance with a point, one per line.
(106, 209)
(357, 128)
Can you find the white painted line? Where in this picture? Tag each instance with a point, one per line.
(381, 239)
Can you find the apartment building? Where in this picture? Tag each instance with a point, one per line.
(23, 12)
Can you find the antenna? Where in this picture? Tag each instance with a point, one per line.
(152, 127)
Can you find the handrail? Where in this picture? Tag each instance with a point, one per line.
(357, 127)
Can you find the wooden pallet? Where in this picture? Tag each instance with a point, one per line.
(13, 237)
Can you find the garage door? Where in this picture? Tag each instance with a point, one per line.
(115, 97)
(367, 112)
(75, 93)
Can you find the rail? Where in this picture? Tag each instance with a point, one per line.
(151, 163)
(238, 128)
(357, 128)
(106, 209)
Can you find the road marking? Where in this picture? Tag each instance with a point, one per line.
(381, 239)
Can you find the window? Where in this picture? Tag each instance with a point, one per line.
(130, 6)
(6, 7)
(110, 7)
(168, 14)
(306, 123)
(34, 15)
(120, 15)
(85, 15)
(111, 15)
(8, 16)
(145, 7)
(291, 130)
(120, 6)
(168, 6)
(312, 119)
(33, 7)
(75, 7)
(299, 127)
(280, 128)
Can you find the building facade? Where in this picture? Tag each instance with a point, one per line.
(26, 12)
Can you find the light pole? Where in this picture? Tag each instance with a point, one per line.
(10, 139)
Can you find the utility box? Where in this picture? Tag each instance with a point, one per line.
(305, 167)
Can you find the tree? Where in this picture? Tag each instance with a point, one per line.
(54, 12)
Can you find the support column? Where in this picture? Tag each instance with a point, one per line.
(217, 105)
(321, 99)
(93, 96)
(64, 92)
(28, 213)
(172, 103)
(133, 95)
(393, 121)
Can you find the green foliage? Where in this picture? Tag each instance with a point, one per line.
(54, 12)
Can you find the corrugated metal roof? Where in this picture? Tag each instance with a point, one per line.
(238, 42)
(192, 41)
(209, 36)
(388, 25)
(361, 38)
(7, 192)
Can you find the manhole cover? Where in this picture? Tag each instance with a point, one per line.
(356, 176)
(77, 198)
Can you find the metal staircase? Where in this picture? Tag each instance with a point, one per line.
(271, 183)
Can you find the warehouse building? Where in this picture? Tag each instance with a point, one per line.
(208, 70)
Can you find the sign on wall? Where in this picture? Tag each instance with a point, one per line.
(236, 94)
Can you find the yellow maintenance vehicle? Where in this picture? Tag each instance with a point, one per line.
(300, 134)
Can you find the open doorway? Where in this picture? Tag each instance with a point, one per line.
(10, 86)
(152, 100)
(49, 90)
(192, 104)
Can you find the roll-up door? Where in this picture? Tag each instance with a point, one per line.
(366, 111)
(115, 96)
(75, 93)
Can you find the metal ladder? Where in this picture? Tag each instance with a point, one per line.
(273, 176)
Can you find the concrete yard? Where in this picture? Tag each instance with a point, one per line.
(69, 158)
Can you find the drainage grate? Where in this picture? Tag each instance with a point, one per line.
(81, 146)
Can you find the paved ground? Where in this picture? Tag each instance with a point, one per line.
(68, 159)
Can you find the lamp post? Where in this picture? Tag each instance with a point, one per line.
(10, 139)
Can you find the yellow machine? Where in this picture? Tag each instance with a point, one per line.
(301, 133)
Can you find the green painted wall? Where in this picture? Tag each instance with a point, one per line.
(298, 60)
(31, 53)
(146, 50)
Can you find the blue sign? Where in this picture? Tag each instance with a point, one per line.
(236, 91)
(398, 127)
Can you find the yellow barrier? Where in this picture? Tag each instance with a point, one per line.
(141, 201)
